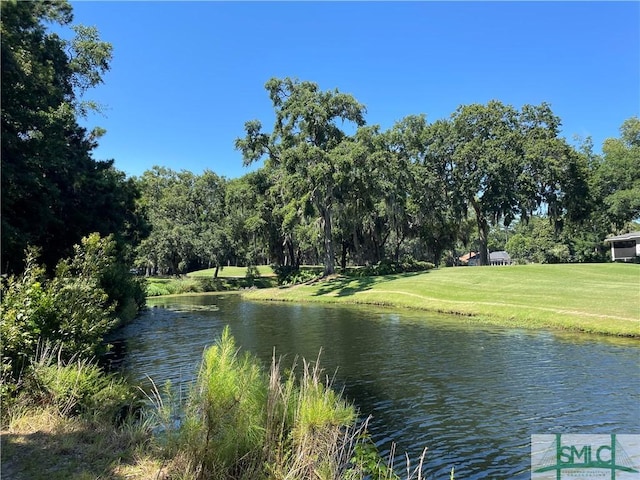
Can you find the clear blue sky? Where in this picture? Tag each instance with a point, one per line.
(187, 75)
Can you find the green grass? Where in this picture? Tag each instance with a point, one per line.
(232, 272)
(596, 298)
(202, 284)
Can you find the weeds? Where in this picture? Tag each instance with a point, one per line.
(77, 386)
(240, 422)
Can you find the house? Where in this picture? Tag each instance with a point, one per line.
(499, 258)
(625, 247)
(495, 258)
(470, 259)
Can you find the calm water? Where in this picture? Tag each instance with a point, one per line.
(472, 395)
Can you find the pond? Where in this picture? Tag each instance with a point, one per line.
(472, 394)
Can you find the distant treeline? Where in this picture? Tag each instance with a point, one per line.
(332, 191)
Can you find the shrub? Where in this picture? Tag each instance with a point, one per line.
(154, 290)
(242, 423)
(388, 267)
(223, 430)
(71, 311)
(290, 275)
(88, 297)
(186, 285)
(98, 259)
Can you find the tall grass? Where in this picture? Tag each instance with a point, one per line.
(223, 426)
(238, 422)
(76, 387)
(241, 422)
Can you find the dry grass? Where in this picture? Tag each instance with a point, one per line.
(40, 444)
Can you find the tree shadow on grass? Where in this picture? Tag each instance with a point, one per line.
(347, 286)
(50, 455)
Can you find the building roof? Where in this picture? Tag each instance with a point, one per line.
(467, 256)
(624, 236)
(499, 255)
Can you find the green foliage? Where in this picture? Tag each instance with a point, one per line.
(616, 177)
(186, 214)
(507, 163)
(53, 191)
(98, 259)
(388, 267)
(77, 387)
(242, 423)
(537, 242)
(304, 150)
(74, 310)
(367, 460)
(290, 275)
(26, 310)
(155, 290)
(224, 423)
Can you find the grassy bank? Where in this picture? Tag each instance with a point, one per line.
(234, 272)
(238, 421)
(596, 298)
(157, 286)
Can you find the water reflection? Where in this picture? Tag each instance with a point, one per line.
(473, 395)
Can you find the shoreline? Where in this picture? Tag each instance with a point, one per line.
(425, 293)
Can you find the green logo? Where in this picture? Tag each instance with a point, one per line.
(571, 456)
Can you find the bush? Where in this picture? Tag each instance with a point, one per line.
(89, 295)
(290, 275)
(71, 311)
(242, 423)
(98, 259)
(388, 267)
(185, 285)
(224, 425)
(154, 290)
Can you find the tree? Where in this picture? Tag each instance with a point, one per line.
(302, 145)
(616, 177)
(432, 204)
(171, 245)
(537, 241)
(212, 230)
(53, 191)
(508, 163)
(188, 218)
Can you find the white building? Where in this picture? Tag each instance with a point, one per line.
(625, 247)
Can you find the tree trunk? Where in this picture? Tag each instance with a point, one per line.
(483, 234)
(329, 267)
(343, 263)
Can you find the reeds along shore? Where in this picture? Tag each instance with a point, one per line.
(238, 421)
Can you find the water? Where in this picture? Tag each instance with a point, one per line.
(473, 395)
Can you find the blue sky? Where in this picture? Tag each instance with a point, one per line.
(186, 76)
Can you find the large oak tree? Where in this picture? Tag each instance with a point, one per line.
(302, 146)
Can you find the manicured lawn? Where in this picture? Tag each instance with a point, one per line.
(598, 298)
(232, 272)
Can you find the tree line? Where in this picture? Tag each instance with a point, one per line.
(335, 190)
(332, 189)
